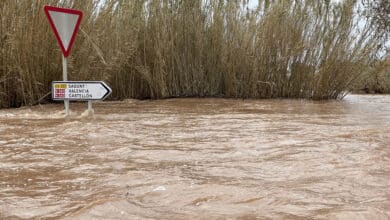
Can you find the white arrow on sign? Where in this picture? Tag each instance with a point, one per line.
(80, 91)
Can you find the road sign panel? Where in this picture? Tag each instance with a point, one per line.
(80, 91)
(65, 24)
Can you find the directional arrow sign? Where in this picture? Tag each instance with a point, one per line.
(80, 91)
(65, 24)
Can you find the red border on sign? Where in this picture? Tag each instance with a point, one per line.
(65, 51)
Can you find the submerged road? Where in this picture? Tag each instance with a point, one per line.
(198, 159)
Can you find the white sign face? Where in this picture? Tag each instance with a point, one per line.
(79, 91)
(65, 25)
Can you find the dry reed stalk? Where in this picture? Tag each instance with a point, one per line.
(172, 48)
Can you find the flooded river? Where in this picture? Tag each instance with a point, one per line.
(198, 159)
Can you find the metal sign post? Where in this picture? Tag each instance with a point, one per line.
(65, 78)
(90, 109)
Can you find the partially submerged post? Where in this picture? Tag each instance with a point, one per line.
(90, 109)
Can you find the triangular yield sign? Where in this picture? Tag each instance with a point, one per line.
(65, 24)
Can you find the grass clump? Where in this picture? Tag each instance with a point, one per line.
(175, 48)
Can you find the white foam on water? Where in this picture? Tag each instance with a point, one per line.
(160, 188)
(29, 114)
(87, 114)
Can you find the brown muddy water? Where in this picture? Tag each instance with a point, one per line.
(198, 159)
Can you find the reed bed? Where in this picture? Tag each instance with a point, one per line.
(189, 48)
(377, 78)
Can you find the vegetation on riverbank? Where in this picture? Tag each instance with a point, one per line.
(376, 79)
(171, 48)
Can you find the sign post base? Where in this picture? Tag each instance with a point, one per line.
(66, 103)
(90, 109)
